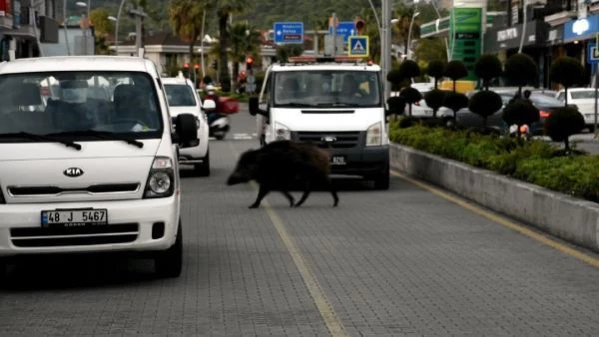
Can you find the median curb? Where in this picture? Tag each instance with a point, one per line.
(563, 216)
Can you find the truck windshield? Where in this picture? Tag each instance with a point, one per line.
(327, 88)
(79, 105)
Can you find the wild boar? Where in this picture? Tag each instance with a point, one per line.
(280, 165)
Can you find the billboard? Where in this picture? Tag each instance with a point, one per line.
(465, 36)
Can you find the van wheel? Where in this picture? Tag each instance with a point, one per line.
(381, 182)
(170, 262)
(203, 169)
(591, 128)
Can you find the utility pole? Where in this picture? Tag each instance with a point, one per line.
(139, 15)
(386, 45)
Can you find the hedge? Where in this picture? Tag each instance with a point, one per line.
(532, 161)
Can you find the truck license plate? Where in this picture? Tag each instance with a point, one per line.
(338, 160)
(74, 218)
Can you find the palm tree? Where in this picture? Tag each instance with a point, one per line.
(244, 40)
(186, 18)
(225, 8)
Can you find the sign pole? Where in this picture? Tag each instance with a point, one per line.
(596, 97)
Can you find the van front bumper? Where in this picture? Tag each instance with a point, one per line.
(360, 161)
(133, 225)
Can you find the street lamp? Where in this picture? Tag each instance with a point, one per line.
(84, 23)
(410, 33)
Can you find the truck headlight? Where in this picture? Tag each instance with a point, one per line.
(161, 181)
(374, 135)
(282, 132)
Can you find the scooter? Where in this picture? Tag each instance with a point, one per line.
(218, 123)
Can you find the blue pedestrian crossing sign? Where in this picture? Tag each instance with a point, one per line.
(358, 46)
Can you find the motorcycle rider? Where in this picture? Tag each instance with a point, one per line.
(211, 94)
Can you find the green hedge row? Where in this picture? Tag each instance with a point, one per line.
(533, 161)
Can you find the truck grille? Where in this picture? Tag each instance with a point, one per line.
(79, 236)
(337, 139)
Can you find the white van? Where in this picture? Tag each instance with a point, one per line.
(82, 172)
(335, 102)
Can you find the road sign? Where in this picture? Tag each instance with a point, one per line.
(345, 29)
(358, 46)
(289, 32)
(592, 53)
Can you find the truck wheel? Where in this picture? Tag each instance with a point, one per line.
(591, 128)
(203, 169)
(381, 182)
(170, 262)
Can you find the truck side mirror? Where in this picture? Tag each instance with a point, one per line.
(186, 130)
(255, 107)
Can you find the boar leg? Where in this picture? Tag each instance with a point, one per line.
(289, 197)
(329, 184)
(307, 190)
(261, 194)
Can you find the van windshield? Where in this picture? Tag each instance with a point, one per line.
(327, 88)
(79, 105)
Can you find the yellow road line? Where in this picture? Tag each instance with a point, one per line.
(593, 261)
(331, 320)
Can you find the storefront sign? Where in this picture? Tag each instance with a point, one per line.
(581, 29)
(509, 38)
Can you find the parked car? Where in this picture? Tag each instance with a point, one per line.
(467, 118)
(182, 98)
(584, 99)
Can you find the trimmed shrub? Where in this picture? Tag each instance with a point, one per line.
(520, 112)
(409, 69)
(397, 105)
(455, 70)
(563, 123)
(485, 104)
(434, 99)
(455, 101)
(435, 70)
(567, 71)
(394, 76)
(487, 67)
(521, 69)
(411, 96)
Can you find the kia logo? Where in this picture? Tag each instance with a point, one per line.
(73, 172)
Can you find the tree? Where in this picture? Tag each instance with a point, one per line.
(521, 69)
(435, 70)
(244, 41)
(186, 19)
(455, 70)
(99, 19)
(520, 112)
(284, 52)
(401, 29)
(485, 103)
(563, 123)
(567, 71)
(224, 9)
(486, 68)
(411, 96)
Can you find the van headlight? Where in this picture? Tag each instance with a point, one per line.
(161, 181)
(374, 135)
(282, 132)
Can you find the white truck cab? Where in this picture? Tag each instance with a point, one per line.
(335, 102)
(88, 159)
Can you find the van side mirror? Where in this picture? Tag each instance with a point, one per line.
(255, 107)
(186, 130)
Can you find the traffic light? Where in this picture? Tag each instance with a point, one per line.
(249, 61)
(360, 24)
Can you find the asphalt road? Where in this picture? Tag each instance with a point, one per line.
(383, 263)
